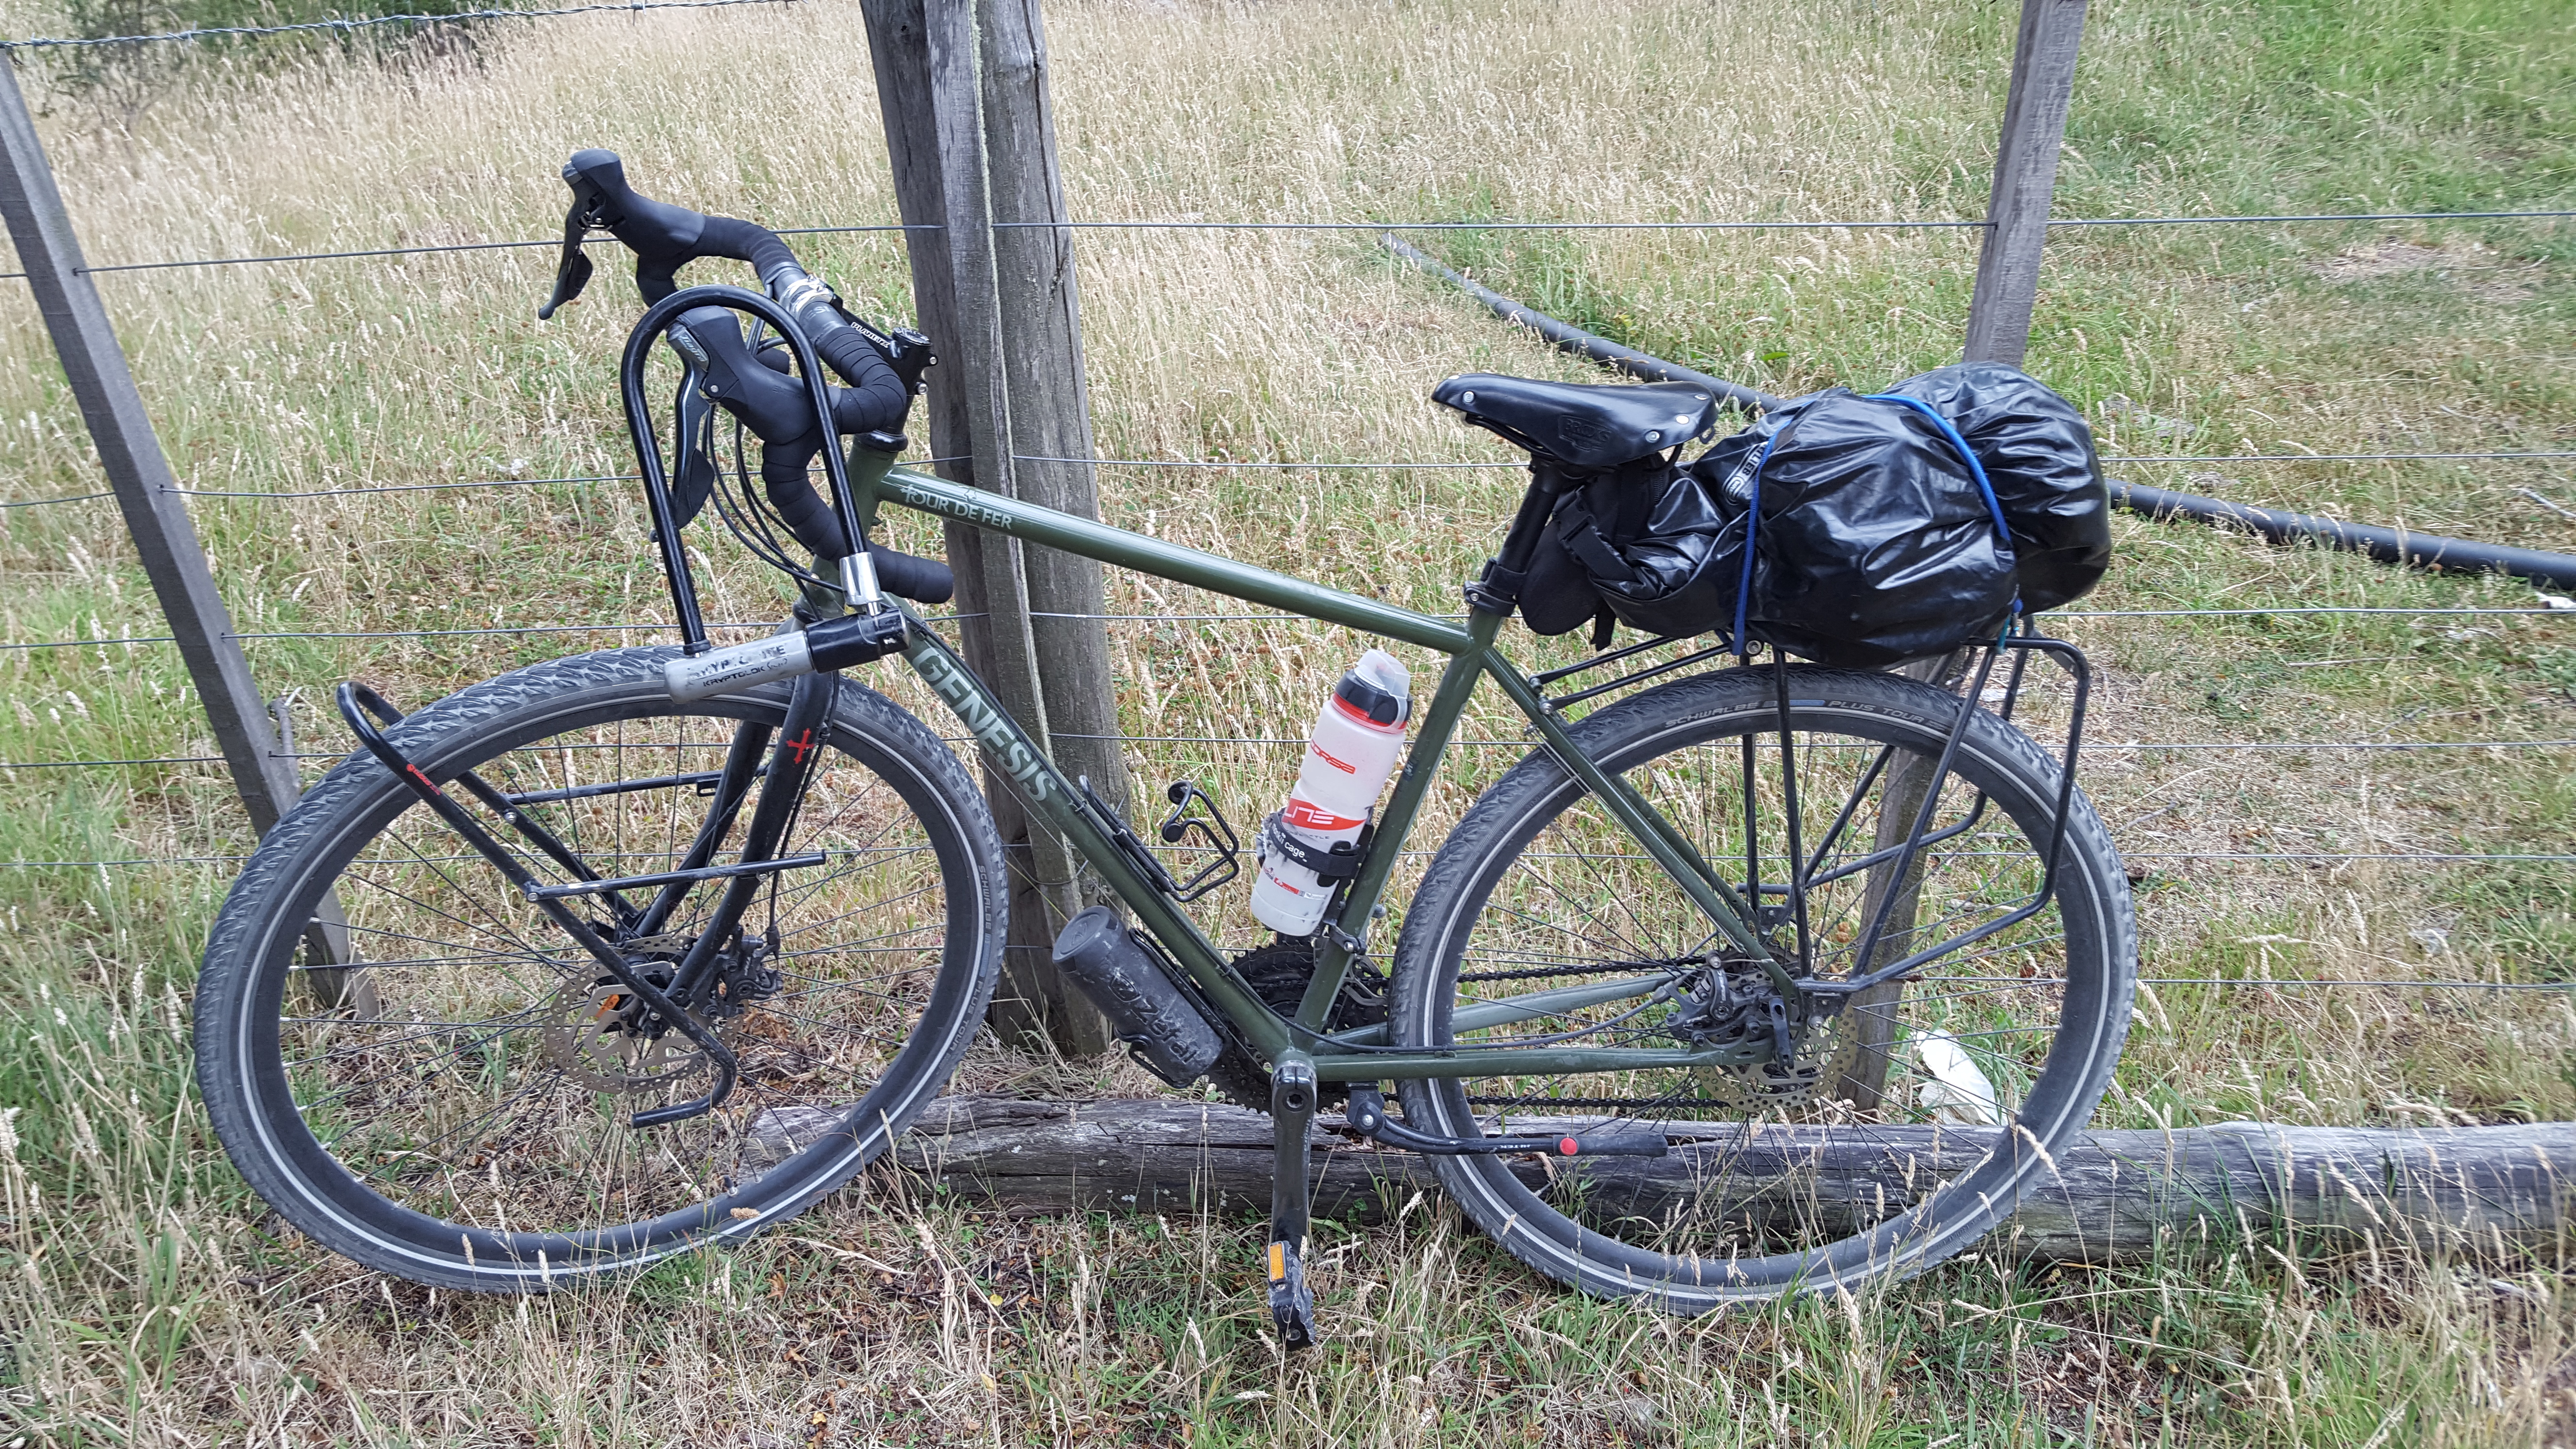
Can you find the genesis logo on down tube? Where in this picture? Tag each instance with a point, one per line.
(985, 722)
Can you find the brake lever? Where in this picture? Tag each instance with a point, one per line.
(572, 270)
(660, 236)
(694, 414)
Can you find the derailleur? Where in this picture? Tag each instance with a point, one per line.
(1778, 1051)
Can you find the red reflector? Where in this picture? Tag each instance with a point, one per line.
(1569, 1146)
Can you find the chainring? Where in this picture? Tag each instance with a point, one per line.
(1278, 974)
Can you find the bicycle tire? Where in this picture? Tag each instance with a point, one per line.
(1732, 1225)
(358, 1121)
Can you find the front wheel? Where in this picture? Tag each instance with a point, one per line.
(449, 1094)
(1905, 1125)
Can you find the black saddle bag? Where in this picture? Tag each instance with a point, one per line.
(1882, 528)
(1636, 545)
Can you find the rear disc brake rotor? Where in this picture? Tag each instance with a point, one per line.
(1826, 1051)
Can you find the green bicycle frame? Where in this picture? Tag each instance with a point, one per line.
(1352, 1055)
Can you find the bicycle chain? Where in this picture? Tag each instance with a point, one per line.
(1597, 968)
(1632, 1103)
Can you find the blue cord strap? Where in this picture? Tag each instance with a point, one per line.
(1752, 517)
(1753, 502)
(1976, 470)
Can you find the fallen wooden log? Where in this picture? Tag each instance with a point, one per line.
(2118, 1196)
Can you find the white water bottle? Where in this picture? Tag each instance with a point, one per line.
(1349, 754)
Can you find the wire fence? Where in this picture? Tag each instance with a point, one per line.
(1321, 463)
(2461, 858)
(358, 23)
(1161, 224)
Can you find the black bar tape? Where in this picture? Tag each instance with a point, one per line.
(746, 241)
(909, 576)
(876, 399)
(759, 390)
(783, 470)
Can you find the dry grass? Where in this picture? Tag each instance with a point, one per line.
(149, 1301)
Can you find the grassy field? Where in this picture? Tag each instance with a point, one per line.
(148, 1299)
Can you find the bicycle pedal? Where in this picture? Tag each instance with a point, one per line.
(1292, 1303)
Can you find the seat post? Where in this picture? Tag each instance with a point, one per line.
(1498, 589)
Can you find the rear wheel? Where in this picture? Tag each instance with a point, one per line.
(456, 1105)
(1906, 1125)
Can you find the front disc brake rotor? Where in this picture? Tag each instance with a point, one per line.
(591, 1034)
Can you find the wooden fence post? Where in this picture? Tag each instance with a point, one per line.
(129, 452)
(1871, 1015)
(925, 56)
(1050, 402)
(2043, 85)
(2034, 128)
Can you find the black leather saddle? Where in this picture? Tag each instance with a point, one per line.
(1581, 425)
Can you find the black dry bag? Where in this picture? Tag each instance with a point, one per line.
(1871, 541)
(2039, 457)
(1882, 528)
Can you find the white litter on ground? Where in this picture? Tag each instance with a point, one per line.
(1955, 1090)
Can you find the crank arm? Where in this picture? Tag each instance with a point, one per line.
(355, 700)
(1367, 1116)
(1292, 1111)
